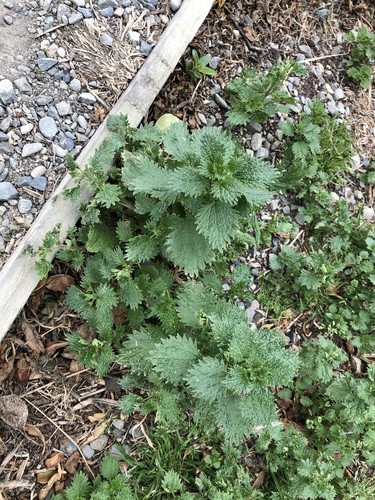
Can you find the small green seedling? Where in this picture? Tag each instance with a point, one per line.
(362, 56)
(197, 67)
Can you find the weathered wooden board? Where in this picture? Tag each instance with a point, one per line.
(18, 278)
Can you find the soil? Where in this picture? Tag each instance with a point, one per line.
(16, 43)
(63, 401)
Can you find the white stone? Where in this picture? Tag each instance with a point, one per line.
(31, 149)
(59, 151)
(368, 213)
(256, 141)
(38, 171)
(26, 129)
(7, 93)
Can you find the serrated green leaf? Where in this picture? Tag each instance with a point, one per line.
(130, 294)
(218, 222)
(186, 247)
(176, 142)
(109, 195)
(173, 356)
(192, 303)
(206, 379)
(100, 237)
(124, 230)
(141, 248)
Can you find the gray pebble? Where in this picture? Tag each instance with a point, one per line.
(339, 94)
(7, 148)
(88, 451)
(87, 13)
(75, 85)
(102, 4)
(2, 244)
(8, 20)
(250, 311)
(23, 85)
(5, 124)
(3, 137)
(59, 151)
(256, 141)
(75, 18)
(145, 48)
(87, 98)
(368, 213)
(67, 143)
(175, 4)
(214, 62)
(300, 219)
(31, 149)
(119, 424)
(39, 183)
(48, 127)
(63, 13)
(4, 174)
(38, 171)
(220, 101)
(82, 122)
(43, 100)
(99, 443)
(254, 127)
(263, 153)
(24, 180)
(115, 452)
(106, 40)
(7, 93)
(107, 12)
(46, 63)
(332, 108)
(7, 191)
(79, 3)
(63, 108)
(68, 447)
(322, 13)
(24, 205)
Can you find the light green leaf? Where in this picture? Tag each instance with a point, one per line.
(206, 379)
(218, 222)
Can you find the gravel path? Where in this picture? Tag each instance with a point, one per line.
(62, 67)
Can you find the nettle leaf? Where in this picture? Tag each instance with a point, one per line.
(176, 142)
(130, 294)
(136, 351)
(186, 247)
(141, 248)
(108, 196)
(124, 230)
(173, 357)
(218, 222)
(191, 303)
(188, 182)
(206, 379)
(100, 237)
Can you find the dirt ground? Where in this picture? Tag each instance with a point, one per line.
(16, 42)
(52, 400)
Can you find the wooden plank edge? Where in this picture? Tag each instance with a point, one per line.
(18, 278)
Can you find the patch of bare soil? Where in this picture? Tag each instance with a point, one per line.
(61, 401)
(16, 42)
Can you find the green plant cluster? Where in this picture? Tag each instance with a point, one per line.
(257, 97)
(362, 56)
(198, 66)
(171, 210)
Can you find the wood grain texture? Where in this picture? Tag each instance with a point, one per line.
(18, 278)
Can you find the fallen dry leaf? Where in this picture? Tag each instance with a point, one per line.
(32, 430)
(59, 282)
(6, 368)
(13, 411)
(32, 341)
(54, 459)
(56, 477)
(44, 475)
(71, 464)
(51, 349)
(23, 370)
(259, 480)
(97, 417)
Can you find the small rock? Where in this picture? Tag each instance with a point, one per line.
(67, 143)
(43, 100)
(107, 12)
(119, 424)
(75, 85)
(106, 40)
(334, 197)
(88, 451)
(134, 37)
(175, 4)
(145, 48)
(87, 13)
(274, 205)
(115, 452)
(48, 127)
(214, 62)
(3, 137)
(332, 108)
(26, 129)
(220, 101)
(7, 148)
(2, 245)
(79, 3)
(59, 151)
(38, 171)
(250, 311)
(8, 20)
(46, 63)
(300, 219)
(7, 93)
(263, 153)
(102, 4)
(339, 94)
(23, 85)
(87, 98)
(63, 108)
(7, 191)
(254, 127)
(322, 13)
(368, 213)
(99, 443)
(256, 141)
(24, 205)
(4, 174)
(24, 180)
(75, 18)
(39, 183)
(68, 447)
(31, 149)
(355, 161)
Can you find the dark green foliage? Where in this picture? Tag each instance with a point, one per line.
(197, 66)
(257, 97)
(362, 56)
